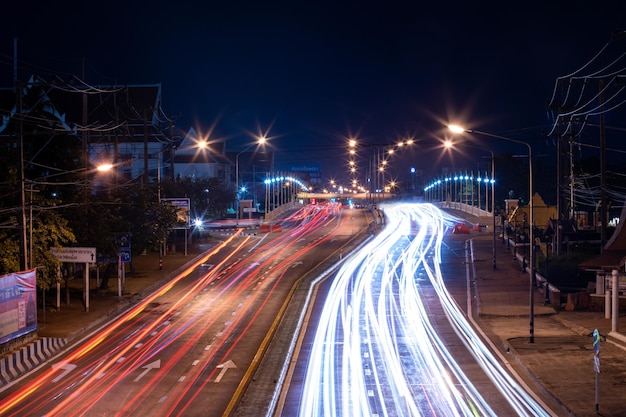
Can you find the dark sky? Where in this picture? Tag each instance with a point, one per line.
(312, 73)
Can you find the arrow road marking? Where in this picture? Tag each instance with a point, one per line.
(296, 264)
(152, 365)
(225, 366)
(67, 367)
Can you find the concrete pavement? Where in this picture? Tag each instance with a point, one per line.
(560, 361)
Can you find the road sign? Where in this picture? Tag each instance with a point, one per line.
(123, 246)
(125, 255)
(122, 241)
(596, 341)
(75, 255)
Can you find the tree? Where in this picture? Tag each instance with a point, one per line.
(209, 197)
(49, 230)
(148, 221)
(9, 251)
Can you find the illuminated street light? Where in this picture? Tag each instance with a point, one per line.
(378, 161)
(27, 257)
(261, 141)
(459, 129)
(104, 167)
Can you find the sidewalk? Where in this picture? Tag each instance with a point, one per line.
(57, 327)
(561, 359)
(72, 320)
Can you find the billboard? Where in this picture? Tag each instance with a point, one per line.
(183, 209)
(18, 304)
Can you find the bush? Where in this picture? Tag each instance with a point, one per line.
(563, 271)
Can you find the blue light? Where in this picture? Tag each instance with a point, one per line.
(283, 179)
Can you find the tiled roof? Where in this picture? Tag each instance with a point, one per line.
(109, 109)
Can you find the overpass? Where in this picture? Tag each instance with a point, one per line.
(365, 197)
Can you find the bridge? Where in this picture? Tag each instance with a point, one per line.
(369, 197)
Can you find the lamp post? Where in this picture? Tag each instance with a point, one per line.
(448, 144)
(377, 163)
(260, 141)
(459, 129)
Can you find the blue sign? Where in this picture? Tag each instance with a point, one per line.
(122, 241)
(123, 246)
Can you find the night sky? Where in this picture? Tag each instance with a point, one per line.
(312, 74)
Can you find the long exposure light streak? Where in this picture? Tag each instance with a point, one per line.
(205, 317)
(375, 351)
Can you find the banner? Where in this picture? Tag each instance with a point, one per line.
(18, 304)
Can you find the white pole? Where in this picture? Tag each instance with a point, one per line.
(58, 295)
(237, 188)
(86, 287)
(119, 277)
(615, 291)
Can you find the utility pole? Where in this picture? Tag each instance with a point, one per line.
(603, 202)
(23, 241)
(172, 150)
(560, 200)
(571, 172)
(145, 147)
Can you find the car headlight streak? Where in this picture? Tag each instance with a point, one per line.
(375, 351)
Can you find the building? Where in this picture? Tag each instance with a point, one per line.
(124, 125)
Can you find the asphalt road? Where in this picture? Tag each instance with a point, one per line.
(189, 348)
(388, 334)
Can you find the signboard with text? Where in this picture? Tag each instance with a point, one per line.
(75, 255)
(18, 304)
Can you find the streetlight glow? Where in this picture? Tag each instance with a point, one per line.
(260, 142)
(456, 129)
(104, 167)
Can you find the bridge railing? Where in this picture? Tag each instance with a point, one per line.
(278, 211)
(483, 215)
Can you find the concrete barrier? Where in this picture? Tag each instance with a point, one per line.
(28, 357)
(267, 228)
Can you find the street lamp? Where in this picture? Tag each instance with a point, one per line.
(459, 129)
(259, 142)
(27, 258)
(448, 144)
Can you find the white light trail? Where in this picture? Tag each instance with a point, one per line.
(375, 352)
